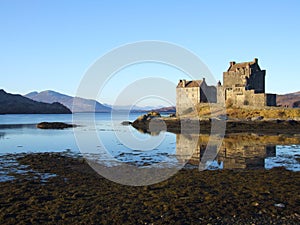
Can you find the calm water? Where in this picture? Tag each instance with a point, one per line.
(110, 142)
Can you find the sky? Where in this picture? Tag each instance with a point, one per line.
(50, 45)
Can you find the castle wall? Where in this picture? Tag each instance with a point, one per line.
(252, 99)
(241, 97)
(186, 98)
(220, 95)
(271, 99)
(243, 84)
(252, 78)
(232, 79)
(208, 94)
(257, 81)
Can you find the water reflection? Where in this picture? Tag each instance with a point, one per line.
(241, 151)
(144, 131)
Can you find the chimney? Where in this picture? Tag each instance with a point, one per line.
(203, 79)
(183, 83)
(232, 63)
(255, 60)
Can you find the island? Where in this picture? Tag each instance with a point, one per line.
(240, 104)
(54, 125)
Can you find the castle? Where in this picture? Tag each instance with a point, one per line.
(243, 84)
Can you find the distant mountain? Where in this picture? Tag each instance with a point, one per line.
(133, 108)
(289, 100)
(18, 104)
(81, 104)
(166, 109)
(88, 105)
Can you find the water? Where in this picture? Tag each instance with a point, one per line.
(18, 134)
(111, 143)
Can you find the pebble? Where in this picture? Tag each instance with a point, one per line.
(280, 205)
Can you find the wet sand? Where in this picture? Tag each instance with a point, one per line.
(78, 195)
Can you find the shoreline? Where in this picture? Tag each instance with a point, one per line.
(173, 125)
(78, 194)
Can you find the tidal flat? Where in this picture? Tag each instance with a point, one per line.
(58, 188)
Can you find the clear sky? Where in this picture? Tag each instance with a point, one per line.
(51, 44)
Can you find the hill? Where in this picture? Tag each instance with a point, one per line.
(166, 109)
(289, 100)
(141, 109)
(18, 104)
(81, 104)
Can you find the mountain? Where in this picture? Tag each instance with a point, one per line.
(133, 108)
(81, 104)
(166, 109)
(18, 104)
(289, 100)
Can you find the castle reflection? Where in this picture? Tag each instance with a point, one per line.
(236, 151)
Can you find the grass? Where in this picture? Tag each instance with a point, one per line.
(205, 110)
(266, 113)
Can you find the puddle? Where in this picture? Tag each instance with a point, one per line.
(11, 170)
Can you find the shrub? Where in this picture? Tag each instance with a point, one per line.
(281, 114)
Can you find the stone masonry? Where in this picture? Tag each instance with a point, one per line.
(190, 93)
(244, 84)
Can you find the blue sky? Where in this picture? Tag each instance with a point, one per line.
(51, 44)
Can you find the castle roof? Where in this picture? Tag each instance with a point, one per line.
(234, 66)
(190, 83)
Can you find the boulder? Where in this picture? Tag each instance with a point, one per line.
(126, 123)
(54, 125)
(172, 115)
(149, 116)
(258, 118)
(153, 114)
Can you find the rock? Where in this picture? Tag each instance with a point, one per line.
(126, 123)
(220, 117)
(279, 121)
(258, 118)
(54, 125)
(255, 204)
(172, 115)
(148, 116)
(153, 114)
(143, 121)
(279, 205)
(141, 118)
(292, 122)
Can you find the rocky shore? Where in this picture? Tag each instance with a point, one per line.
(75, 194)
(174, 125)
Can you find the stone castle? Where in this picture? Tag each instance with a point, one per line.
(243, 84)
